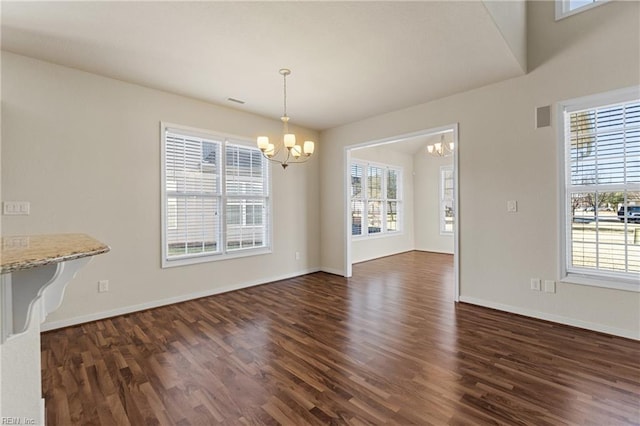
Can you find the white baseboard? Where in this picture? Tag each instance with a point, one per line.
(434, 251)
(629, 334)
(53, 325)
(43, 412)
(380, 256)
(332, 271)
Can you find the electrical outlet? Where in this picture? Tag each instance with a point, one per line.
(549, 286)
(512, 206)
(535, 284)
(103, 286)
(16, 208)
(18, 242)
(297, 255)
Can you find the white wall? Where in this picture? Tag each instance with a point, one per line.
(502, 157)
(367, 248)
(85, 151)
(427, 202)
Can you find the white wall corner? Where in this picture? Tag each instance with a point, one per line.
(332, 271)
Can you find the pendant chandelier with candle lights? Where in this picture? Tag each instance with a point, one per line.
(288, 152)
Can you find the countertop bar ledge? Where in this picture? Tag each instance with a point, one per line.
(35, 270)
(30, 251)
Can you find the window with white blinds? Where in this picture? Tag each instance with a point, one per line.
(357, 199)
(446, 200)
(392, 200)
(215, 196)
(375, 199)
(246, 189)
(602, 186)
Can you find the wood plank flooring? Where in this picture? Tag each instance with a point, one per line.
(385, 347)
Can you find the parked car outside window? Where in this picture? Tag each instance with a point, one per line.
(633, 213)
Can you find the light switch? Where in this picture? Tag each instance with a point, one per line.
(512, 206)
(535, 284)
(103, 286)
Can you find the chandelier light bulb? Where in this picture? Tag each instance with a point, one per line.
(270, 151)
(296, 151)
(289, 140)
(308, 147)
(263, 143)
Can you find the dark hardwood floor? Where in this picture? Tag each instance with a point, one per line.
(385, 347)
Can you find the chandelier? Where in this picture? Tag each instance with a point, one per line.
(288, 152)
(441, 149)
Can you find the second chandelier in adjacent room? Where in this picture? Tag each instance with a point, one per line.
(441, 149)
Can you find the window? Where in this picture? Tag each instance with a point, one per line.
(446, 199)
(566, 8)
(375, 199)
(392, 200)
(215, 196)
(602, 186)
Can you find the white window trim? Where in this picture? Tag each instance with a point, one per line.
(400, 190)
(563, 11)
(595, 279)
(208, 257)
(442, 218)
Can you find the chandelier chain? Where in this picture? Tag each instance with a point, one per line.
(285, 116)
(284, 84)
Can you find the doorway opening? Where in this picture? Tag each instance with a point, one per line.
(423, 219)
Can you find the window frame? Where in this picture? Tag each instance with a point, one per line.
(384, 200)
(563, 8)
(567, 274)
(224, 252)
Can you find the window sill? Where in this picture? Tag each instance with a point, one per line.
(214, 257)
(375, 236)
(593, 281)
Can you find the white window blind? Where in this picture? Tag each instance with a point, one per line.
(602, 189)
(393, 200)
(375, 199)
(192, 195)
(216, 197)
(357, 199)
(246, 197)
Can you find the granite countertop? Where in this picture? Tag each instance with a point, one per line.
(30, 251)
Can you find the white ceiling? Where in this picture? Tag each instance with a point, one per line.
(349, 60)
